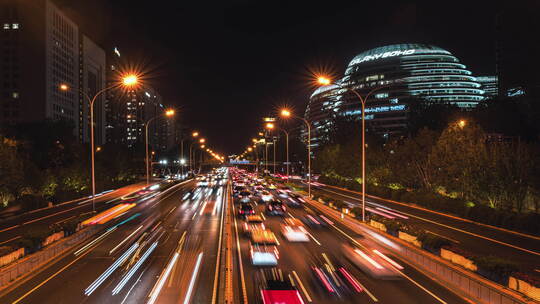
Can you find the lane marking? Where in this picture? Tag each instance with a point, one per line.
(218, 258)
(434, 212)
(452, 240)
(421, 287)
(306, 294)
(457, 229)
(12, 239)
(244, 292)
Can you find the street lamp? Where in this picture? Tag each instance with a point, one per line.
(326, 81)
(167, 113)
(129, 80)
(286, 114)
(462, 123)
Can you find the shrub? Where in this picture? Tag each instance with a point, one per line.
(433, 243)
(339, 204)
(30, 202)
(495, 268)
(33, 239)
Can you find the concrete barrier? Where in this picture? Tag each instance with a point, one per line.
(409, 238)
(525, 288)
(36, 260)
(465, 283)
(458, 259)
(377, 225)
(12, 256)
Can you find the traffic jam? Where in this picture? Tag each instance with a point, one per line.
(291, 253)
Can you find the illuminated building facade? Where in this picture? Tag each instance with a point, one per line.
(398, 73)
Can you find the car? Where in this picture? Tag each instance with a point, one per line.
(266, 196)
(264, 255)
(246, 209)
(263, 237)
(275, 207)
(373, 262)
(294, 231)
(244, 196)
(336, 280)
(314, 221)
(253, 222)
(275, 287)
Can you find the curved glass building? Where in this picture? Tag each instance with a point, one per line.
(398, 73)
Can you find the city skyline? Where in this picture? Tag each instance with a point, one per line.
(223, 60)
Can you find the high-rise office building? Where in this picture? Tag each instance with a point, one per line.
(398, 73)
(42, 49)
(92, 80)
(490, 85)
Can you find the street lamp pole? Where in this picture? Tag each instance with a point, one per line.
(167, 113)
(274, 143)
(287, 113)
(326, 81)
(128, 80)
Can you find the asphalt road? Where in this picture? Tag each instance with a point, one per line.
(172, 222)
(297, 257)
(13, 228)
(479, 239)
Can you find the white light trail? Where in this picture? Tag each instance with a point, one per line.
(193, 279)
(125, 240)
(164, 277)
(110, 270)
(128, 276)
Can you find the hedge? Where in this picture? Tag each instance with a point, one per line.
(526, 222)
(495, 268)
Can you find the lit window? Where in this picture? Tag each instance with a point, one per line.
(15, 26)
(6, 26)
(15, 95)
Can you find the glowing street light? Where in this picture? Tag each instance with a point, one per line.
(462, 123)
(130, 80)
(202, 140)
(326, 81)
(167, 113)
(286, 114)
(195, 134)
(127, 81)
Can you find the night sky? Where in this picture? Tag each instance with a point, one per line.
(227, 65)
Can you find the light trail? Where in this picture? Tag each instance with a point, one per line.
(128, 276)
(125, 240)
(92, 287)
(193, 279)
(155, 293)
(93, 242)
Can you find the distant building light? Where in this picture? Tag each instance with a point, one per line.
(116, 51)
(15, 95)
(147, 94)
(6, 26)
(15, 26)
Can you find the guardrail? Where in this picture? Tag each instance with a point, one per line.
(460, 281)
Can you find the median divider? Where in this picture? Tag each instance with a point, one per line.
(462, 282)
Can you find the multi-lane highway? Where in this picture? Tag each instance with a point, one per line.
(479, 239)
(163, 250)
(325, 247)
(13, 228)
(167, 249)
